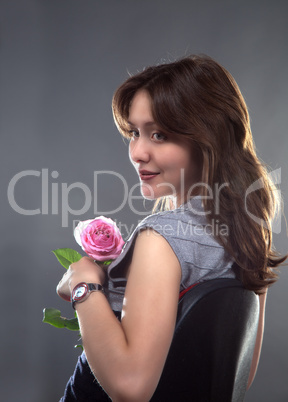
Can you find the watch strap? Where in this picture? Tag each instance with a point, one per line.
(95, 287)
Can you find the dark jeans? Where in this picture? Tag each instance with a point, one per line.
(82, 385)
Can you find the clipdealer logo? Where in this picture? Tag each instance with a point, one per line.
(50, 191)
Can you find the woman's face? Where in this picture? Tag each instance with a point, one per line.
(167, 164)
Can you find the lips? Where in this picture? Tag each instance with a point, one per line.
(147, 175)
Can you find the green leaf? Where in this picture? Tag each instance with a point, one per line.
(53, 317)
(66, 256)
(108, 262)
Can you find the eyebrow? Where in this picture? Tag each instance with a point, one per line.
(148, 123)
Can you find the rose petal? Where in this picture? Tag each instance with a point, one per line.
(100, 238)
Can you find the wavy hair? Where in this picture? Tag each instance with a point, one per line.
(198, 98)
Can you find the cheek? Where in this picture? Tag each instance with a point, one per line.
(179, 160)
(174, 158)
(194, 169)
(190, 162)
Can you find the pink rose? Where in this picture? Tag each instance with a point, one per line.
(99, 238)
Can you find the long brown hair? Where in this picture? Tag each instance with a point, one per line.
(198, 98)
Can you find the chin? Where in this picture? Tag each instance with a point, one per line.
(150, 192)
(153, 195)
(148, 196)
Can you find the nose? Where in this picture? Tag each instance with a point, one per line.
(139, 150)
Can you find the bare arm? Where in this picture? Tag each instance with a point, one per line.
(259, 339)
(128, 357)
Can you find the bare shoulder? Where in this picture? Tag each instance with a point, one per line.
(151, 244)
(154, 276)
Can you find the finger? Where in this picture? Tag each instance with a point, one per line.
(63, 290)
(64, 295)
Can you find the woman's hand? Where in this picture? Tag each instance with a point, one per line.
(85, 270)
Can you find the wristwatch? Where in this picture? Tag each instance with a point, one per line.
(82, 291)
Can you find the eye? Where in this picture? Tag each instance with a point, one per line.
(159, 137)
(134, 133)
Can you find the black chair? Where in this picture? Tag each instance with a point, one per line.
(212, 348)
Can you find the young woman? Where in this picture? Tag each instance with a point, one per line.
(191, 144)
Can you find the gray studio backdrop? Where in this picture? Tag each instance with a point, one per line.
(60, 64)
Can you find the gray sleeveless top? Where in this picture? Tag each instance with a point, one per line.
(191, 237)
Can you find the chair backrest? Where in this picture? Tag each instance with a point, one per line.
(211, 352)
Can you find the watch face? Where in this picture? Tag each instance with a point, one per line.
(80, 291)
